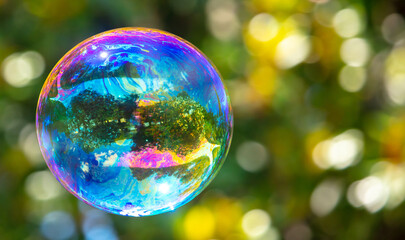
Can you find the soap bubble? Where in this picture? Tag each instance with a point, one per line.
(134, 121)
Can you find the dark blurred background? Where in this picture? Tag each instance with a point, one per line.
(318, 92)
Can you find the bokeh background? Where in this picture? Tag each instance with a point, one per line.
(318, 92)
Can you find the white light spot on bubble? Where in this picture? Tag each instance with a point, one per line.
(355, 52)
(106, 159)
(256, 223)
(263, 27)
(19, 69)
(84, 167)
(164, 188)
(111, 159)
(325, 197)
(292, 51)
(339, 152)
(103, 54)
(347, 23)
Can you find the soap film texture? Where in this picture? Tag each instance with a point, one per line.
(134, 121)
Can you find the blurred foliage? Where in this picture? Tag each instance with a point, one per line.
(318, 91)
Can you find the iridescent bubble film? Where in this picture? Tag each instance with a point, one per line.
(134, 121)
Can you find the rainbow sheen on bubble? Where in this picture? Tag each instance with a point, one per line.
(134, 121)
